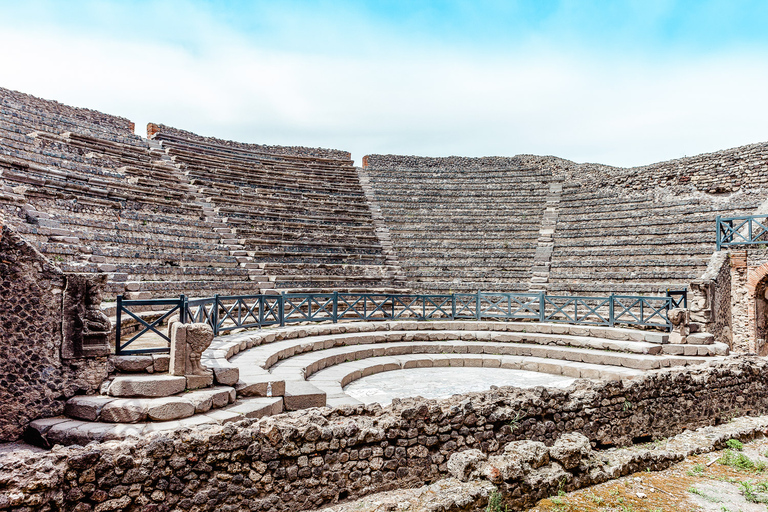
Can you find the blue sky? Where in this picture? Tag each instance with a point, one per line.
(622, 83)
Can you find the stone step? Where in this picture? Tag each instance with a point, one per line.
(67, 431)
(146, 386)
(133, 410)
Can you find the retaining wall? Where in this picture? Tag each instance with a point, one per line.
(301, 461)
(34, 380)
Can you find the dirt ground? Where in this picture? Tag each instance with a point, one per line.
(730, 480)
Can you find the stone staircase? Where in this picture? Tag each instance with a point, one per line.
(543, 257)
(219, 225)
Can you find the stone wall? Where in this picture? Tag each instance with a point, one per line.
(720, 172)
(709, 298)
(153, 128)
(301, 461)
(34, 382)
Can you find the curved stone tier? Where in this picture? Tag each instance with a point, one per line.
(268, 371)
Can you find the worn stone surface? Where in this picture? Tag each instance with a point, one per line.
(151, 386)
(35, 381)
(308, 459)
(86, 328)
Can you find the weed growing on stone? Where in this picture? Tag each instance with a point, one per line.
(514, 423)
(707, 497)
(741, 462)
(627, 405)
(696, 470)
(494, 503)
(755, 492)
(734, 444)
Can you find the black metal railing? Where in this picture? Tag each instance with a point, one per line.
(225, 313)
(739, 231)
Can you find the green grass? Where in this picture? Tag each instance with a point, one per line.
(755, 492)
(734, 444)
(741, 462)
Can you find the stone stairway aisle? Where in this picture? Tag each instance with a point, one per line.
(382, 231)
(219, 225)
(543, 257)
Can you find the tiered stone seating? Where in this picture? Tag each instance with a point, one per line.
(267, 371)
(97, 198)
(461, 227)
(301, 216)
(607, 241)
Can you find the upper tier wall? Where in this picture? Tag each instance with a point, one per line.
(118, 124)
(153, 129)
(719, 172)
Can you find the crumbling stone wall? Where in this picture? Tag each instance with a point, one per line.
(300, 461)
(153, 128)
(34, 382)
(709, 298)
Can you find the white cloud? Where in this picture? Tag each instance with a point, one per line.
(425, 101)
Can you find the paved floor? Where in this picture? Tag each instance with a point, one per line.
(444, 382)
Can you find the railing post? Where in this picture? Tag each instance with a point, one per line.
(118, 325)
(542, 305)
(478, 315)
(717, 227)
(261, 310)
(335, 307)
(424, 307)
(281, 310)
(215, 315)
(611, 319)
(182, 309)
(453, 306)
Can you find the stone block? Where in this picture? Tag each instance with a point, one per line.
(265, 386)
(86, 407)
(302, 395)
(124, 411)
(132, 363)
(171, 408)
(147, 386)
(226, 375)
(161, 362)
(700, 338)
(199, 381)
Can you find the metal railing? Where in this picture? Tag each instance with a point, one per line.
(745, 230)
(225, 313)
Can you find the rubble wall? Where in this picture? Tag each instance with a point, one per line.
(34, 382)
(304, 460)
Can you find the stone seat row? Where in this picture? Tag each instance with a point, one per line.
(273, 181)
(415, 245)
(308, 176)
(194, 147)
(622, 210)
(244, 214)
(34, 118)
(280, 194)
(638, 264)
(277, 208)
(57, 112)
(48, 181)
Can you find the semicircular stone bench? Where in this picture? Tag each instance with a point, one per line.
(268, 371)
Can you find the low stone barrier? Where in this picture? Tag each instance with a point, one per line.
(307, 459)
